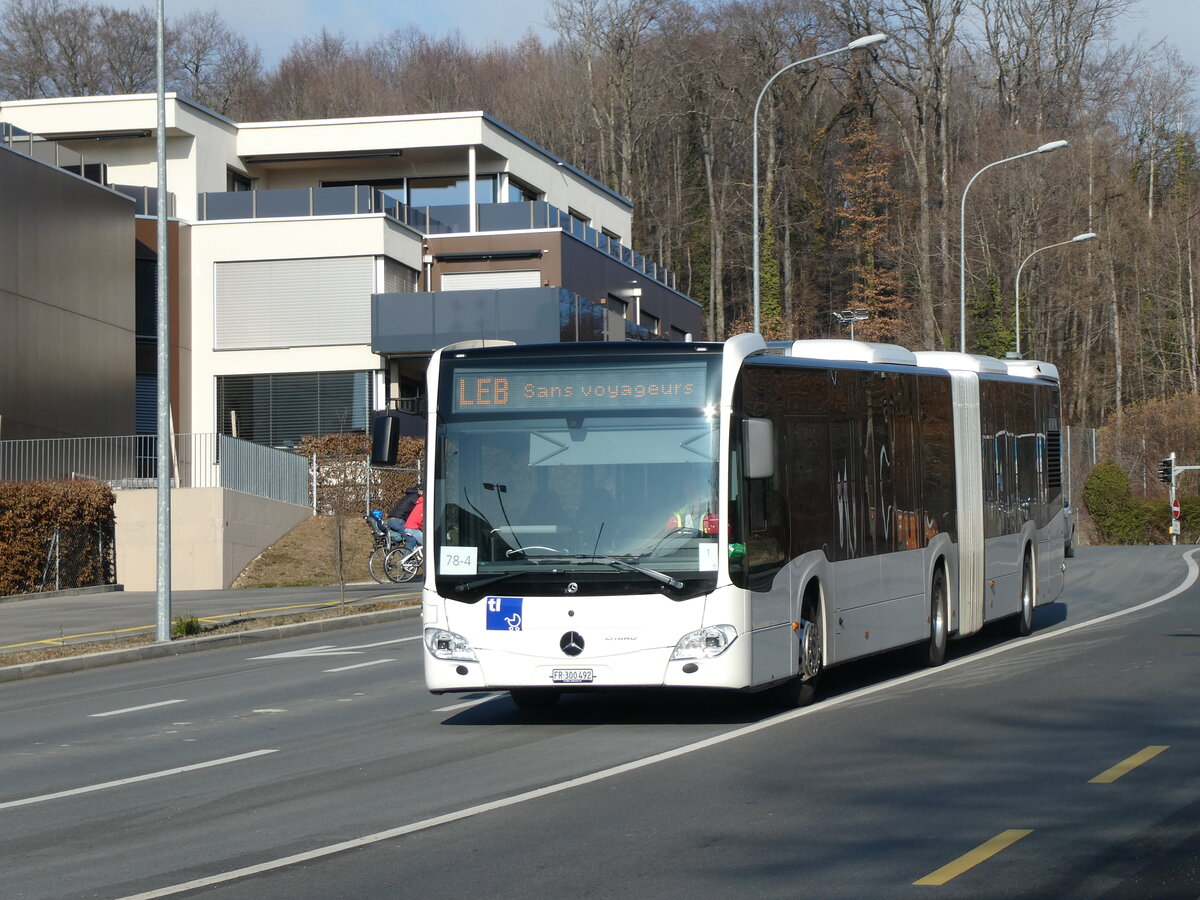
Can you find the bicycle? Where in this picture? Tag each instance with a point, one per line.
(386, 542)
(402, 564)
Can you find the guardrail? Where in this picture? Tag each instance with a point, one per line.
(131, 462)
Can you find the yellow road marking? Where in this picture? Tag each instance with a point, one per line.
(60, 641)
(1108, 776)
(980, 854)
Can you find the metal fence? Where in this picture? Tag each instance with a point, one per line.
(131, 462)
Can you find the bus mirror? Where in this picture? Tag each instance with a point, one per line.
(758, 441)
(385, 440)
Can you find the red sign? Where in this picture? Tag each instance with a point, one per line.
(1175, 509)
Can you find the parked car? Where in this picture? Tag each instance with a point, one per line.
(1068, 530)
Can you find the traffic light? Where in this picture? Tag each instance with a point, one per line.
(1166, 471)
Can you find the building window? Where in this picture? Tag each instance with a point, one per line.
(519, 192)
(617, 305)
(266, 304)
(578, 216)
(450, 191)
(650, 323)
(237, 181)
(278, 410)
(392, 188)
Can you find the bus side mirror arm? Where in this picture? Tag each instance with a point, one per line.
(758, 441)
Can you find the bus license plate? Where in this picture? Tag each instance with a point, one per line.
(571, 676)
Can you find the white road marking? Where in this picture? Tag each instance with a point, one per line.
(474, 702)
(27, 801)
(129, 709)
(373, 662)
(570, 784)
(334, 650)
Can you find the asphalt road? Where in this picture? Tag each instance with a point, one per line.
(39, 621)
(1066, 764)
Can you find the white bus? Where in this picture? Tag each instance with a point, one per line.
(729, 515)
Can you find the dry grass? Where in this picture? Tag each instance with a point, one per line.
(305, 556)
(20, 657)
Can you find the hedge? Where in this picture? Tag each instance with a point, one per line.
(56, 534)
(342, 461)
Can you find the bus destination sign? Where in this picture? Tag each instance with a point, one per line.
(535, 388)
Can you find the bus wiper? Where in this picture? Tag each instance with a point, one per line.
(483, 582)
(653, 574)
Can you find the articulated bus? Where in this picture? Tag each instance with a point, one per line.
(736, 515)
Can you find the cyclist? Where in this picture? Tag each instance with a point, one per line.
(397, 518)
(415, 522)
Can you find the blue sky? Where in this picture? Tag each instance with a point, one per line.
(275, 24)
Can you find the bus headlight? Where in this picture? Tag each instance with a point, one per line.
(447, 645)
(707, 642)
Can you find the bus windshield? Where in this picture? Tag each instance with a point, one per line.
(612, 496)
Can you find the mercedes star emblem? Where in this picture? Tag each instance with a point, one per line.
(571, 643)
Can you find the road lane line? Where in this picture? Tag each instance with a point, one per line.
(374, 662)
(633, 766)
(165, 773)
(982, 853)
(1108, 776)
(129, 709)
(468, 703)
(333, 650)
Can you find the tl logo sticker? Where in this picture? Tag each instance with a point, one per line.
(504, 614)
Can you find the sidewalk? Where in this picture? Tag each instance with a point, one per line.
(53, 620)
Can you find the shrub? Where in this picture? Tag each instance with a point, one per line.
(1121, 518)
(186, 626)
(55, 532)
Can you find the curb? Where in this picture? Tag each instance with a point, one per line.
(190, 645)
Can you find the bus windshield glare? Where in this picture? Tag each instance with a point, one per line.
(602, 472)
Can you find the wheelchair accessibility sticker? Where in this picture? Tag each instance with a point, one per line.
(503, 613)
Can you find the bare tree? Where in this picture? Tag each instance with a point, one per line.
(215, 66)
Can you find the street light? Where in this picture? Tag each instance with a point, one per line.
(1078, 239)
(962, 237)
(857, 44)
(850, 316)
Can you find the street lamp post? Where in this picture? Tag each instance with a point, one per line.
(1078, 239)
(868, 41)
(962, 237)
(850, 316)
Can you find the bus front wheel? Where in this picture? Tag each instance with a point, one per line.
(801, 689)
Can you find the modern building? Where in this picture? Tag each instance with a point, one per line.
(67, 327)
(315, 265)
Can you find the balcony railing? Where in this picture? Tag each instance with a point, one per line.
(364, 200)
(145, 198)
(131, 462)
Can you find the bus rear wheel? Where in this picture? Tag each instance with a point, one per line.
(932, 653)
(1023, 621)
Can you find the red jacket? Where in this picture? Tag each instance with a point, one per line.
(416, 518)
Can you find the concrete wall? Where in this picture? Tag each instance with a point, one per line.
(215, 533)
